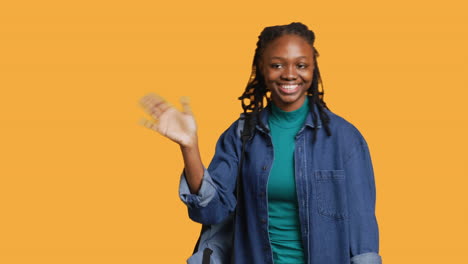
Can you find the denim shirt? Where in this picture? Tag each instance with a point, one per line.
(335, 190)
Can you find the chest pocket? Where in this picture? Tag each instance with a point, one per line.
(331, 193)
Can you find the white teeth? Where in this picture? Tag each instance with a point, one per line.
(289, 87)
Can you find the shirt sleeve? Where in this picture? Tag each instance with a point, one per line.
(215, 199)
(364, 233)
(206, 193)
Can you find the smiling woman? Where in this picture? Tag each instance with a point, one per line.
(302, 186)
(287, 65)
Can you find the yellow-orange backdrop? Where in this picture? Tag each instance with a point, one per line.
(82, 182)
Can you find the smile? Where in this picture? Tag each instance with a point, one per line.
(289, 88)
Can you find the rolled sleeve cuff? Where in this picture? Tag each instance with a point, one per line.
(367, 258)
(205, 194)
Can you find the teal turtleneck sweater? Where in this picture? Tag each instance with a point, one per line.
(283, 226)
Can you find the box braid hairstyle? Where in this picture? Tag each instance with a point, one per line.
(256, 94)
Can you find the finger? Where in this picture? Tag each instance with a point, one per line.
(155, 105)
(149, 124)
(145, 100)
(154, 113)
(150, 100)
(185, 101)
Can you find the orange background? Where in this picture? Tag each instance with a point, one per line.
(82, 182)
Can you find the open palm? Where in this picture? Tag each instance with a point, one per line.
(178, 126)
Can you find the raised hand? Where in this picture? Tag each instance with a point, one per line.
(178, 126)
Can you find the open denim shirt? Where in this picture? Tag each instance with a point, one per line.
(335, 190)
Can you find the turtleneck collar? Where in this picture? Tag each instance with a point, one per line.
(290, 119)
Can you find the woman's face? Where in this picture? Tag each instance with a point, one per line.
(287, 64)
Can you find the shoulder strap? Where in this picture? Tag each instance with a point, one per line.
(244, 131)
(246, 126)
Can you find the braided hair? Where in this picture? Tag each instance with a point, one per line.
(256, 94)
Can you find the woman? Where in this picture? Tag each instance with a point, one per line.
(308, 191)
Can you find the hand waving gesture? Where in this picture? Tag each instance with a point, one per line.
(178, 126)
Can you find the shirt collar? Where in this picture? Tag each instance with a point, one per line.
(266, 112)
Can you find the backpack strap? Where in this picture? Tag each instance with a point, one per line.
(207, 256)
(245, 121)
(246, 126)
(244, 131)
(203, 229)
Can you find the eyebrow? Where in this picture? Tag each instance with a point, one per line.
(281, 58)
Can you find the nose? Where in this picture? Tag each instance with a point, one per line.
(289, 73)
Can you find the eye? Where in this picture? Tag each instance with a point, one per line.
(302, 66)
(276, 66)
